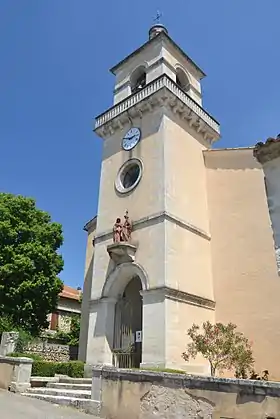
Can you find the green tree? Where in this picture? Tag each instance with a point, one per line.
(222, 345)
(29, 262)
(74, 331)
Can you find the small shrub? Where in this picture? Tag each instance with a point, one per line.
(6, 324)
(73, 369)
(35, 357)
(222, 345)
(252, 375)
(24, 338)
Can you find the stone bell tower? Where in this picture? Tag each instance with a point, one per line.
(153, 167)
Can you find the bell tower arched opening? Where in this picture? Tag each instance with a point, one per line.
(182, 79)
(138, 79)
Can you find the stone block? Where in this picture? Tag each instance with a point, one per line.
(15, 373)
(8, 343)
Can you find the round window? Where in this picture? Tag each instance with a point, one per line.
(129, 175)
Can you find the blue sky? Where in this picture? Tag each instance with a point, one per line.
(54, 78)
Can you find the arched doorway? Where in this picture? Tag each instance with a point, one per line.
(127, 346)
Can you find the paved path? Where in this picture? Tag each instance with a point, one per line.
(21, 407)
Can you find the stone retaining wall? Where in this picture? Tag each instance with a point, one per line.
(50, 351)
(125, 394)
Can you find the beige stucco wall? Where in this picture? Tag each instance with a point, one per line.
(86, 292)
(128, 395)
(272, 180)
(188, 261)
(246, 283)
(174, 183)
(148, 198)
(68, 306)
(180, 317)
(184, 173)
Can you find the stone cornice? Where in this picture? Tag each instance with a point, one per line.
(157, 218)
(267, 151)
(162, 91)
(91, 224)
(181, 296)
(168, 293)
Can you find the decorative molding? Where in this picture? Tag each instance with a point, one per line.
(181, 296)
(122, 252)
(162, 91)
(154, 219)
(270, 150)
(165, 292)
(159, 61)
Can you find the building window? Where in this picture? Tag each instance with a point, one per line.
(182, 79)
(138, 79)
(129, 175)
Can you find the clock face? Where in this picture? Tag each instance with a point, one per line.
(131, 139)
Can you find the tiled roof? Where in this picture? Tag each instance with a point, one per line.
(268, 150)
(71, 293)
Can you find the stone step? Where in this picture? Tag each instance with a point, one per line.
(42, 381)
(78, 403)
(75, 380)
(60, 392)
(69, 386)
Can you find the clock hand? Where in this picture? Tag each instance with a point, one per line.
(129, 138)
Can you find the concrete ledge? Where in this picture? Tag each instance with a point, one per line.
(227, 385)
(15, 361)
(15, 373)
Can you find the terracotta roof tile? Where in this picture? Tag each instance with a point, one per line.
(269, 150)
(71, 293)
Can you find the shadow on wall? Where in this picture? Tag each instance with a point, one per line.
(85, 312)
(231, 159)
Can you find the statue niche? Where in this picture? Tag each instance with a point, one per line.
(122, 250)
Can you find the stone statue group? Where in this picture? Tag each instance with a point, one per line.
(122, 231)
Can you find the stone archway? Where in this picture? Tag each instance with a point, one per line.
(125, 285)
(120, 277)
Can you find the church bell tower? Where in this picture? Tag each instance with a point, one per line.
(149, 286)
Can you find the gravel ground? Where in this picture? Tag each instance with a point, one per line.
(14, 406)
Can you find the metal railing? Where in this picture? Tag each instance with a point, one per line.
(150, 89)
(126, 360)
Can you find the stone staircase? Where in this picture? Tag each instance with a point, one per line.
(66, 391)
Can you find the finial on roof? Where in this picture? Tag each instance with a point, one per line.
(157, 27)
